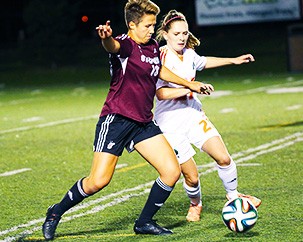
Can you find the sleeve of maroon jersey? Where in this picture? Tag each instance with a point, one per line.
(126, 46)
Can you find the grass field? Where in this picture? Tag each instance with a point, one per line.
(47, 121)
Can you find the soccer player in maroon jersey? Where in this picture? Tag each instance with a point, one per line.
(126, 119)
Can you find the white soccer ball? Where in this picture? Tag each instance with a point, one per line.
(239, 215)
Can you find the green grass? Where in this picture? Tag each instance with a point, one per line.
(60, 153)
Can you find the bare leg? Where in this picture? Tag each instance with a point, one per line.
(101, 173)
(160, 155)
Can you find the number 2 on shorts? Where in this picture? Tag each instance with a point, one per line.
(206, 127)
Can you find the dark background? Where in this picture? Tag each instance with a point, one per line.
(51, 34)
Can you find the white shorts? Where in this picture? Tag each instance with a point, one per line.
(197, 134)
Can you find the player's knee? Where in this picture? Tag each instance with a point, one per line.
(224, 160)
(175, 174)
(171, 176)
(95, 185)
(192, 181)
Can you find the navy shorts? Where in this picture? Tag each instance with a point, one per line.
(115, 132)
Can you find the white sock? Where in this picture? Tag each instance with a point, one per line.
(229, 177)
(193, 193)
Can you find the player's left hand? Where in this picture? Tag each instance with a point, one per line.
(206, 89)
(243, 59)
(200, 87)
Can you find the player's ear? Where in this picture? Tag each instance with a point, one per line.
(165, 35)
(131, 25)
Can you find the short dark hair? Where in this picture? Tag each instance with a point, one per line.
(134, 10)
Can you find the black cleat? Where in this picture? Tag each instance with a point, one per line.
(50, 224)
(151, 227)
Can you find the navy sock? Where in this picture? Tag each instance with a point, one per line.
(157, 196)
(74, 196)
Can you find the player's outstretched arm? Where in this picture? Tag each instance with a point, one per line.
(213, 62)
(109, 43)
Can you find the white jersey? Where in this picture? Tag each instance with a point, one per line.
(182, 120)
(171, 114)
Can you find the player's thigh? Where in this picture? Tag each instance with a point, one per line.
(216, 148)
(158, 152)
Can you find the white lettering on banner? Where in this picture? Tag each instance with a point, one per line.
(215, 12)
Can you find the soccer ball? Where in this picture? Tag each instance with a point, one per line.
(239, 214)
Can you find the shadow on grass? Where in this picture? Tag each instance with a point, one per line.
(249, 234)
(282, 125)
(105, 231)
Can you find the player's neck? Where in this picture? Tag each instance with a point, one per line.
(177, 53)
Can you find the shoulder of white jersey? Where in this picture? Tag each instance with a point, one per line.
(163, 52)
(163, 47)
(189, 51)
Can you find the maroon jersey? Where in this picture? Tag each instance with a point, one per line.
(134, 73)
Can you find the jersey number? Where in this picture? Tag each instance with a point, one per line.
(155, 70)
(205, 126)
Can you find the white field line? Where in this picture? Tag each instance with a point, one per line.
(249, 164)
(285, 90)
(71, 120)
(39, 126)
(92, 211)
(10, 173)
(135, 191)
(222, 93)
(119, 166)
(266, 145)
(266, 150)
(265, 88)
(294, 107)
(83, 205)
(212, 164)
(19, 101)
(258, 148)
(81, 90)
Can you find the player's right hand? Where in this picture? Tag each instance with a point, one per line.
(105, 31)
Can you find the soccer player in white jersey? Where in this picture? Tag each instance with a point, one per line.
(180, 116)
